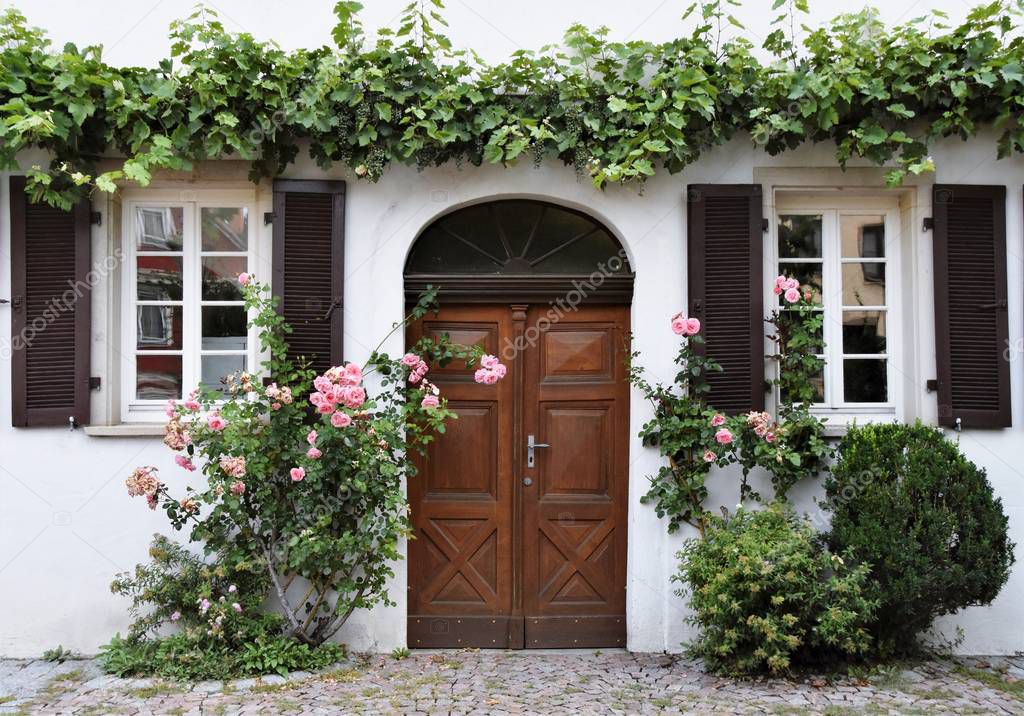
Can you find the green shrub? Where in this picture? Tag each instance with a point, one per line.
(216, 607)
(907, 502)
(767, 596)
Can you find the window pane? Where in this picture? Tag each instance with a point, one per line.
(225, 229)
(159, 278)
(220, 277)
(862, 236)
(863, 332)
(799, 236)
(785, 317)
(809, 276)
(159, 228)
(865, 381)
(157, 377)
(864, 284)
(224, 328)
(159, 328)
(217, 368)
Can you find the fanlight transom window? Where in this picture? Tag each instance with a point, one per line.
(516, 237)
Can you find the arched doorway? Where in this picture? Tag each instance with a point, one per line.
(519, 509)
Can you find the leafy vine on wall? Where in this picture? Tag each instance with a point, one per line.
(616, 111)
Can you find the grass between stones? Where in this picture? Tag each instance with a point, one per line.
(992, 680)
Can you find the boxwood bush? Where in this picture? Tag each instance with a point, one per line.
(905, 501)
(767, 596)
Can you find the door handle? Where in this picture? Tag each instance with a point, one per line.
(531, 445)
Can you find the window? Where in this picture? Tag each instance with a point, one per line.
(846, 252)
(182, 288)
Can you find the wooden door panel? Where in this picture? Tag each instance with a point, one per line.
(460, 557)
(574, 512)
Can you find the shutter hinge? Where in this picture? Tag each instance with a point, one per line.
(764, 226)
(95, 382)
(931, 385)
(268, 217)
(96, 218)
(928, 223)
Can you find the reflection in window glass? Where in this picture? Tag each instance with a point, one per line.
(862, 236)
(863, 332)
(159, 228)
(159, 328)
(158, 377)
(808, 274)
(224, 328)
(216, 368)
(159, 278)
(800, 236)
(220, 277)
(863, 284)
(224, 229)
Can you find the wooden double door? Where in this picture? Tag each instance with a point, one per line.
(517, 547)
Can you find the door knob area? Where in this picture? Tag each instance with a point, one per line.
(527, 481)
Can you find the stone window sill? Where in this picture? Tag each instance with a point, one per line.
(125, 430)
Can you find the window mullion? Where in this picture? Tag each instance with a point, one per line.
(832, 298)
(193, 280)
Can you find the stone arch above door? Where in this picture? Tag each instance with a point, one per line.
(537, 251)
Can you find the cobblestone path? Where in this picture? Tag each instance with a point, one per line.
(470, 682)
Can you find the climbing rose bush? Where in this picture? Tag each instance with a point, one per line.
(304, 475)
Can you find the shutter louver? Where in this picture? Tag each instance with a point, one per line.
(309, 255)
(724, 269)
(50, 323)
(971, 324)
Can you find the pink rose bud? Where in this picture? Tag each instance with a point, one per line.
(298, 474)
(719, 419)
(709, 456)
(311, 438)
(314, 454)
(244, 279)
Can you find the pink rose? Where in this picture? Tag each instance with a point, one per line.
(191, 404)
(275, 406)
(237, 607)
(341, 420)
(709, 456)
(781, 281)
(792, 295)
(769, 437)
(322, 383)
(175, 616)
(353, 373)
(414, 377)
(717, 420)
(355, 398)
(313, 454)
(216, 422)
(410, 360)
(298, 474)
(311, 438)
(679, 324)
(777, 290)
(723, 436)
(491, 378)
(488, 361)
(479, 375)
(237, 487)
(791, 283)
(169, 408)
(244, 279)
(500, 370)
(185, 463)
(692, 326)
(429, 402)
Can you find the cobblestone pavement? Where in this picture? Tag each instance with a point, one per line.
(466, 682)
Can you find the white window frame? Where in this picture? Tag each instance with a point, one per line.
(134, 410)
(832, 206)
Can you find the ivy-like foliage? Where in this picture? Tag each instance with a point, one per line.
(616, 111)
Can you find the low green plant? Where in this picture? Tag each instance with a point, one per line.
(768, 597)
(58, 654)
(400, 653)
(906, 501)
(216, 607)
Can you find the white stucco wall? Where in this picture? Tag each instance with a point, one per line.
(67, 524)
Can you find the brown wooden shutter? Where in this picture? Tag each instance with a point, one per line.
(724, 236)
(971, 327)
(50, 337)
(309, 267)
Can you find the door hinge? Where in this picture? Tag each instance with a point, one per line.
(96, 218)
(95, 382)
(927, 224)
(268, 217)
(764, 225)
